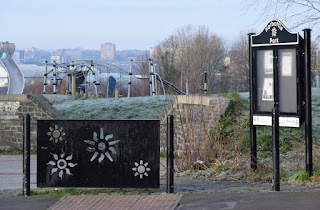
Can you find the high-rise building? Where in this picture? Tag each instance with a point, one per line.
(108, 51)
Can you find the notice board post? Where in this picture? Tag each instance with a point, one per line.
(308, 117)
(279, 67)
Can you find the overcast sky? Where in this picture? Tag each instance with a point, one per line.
(130, 24)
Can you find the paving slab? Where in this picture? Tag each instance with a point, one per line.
(119, 202)
(11, 172)
(245, 201)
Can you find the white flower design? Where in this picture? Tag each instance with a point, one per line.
(61, 164)
(56, 134)
(141, 169)
(274, 32)
(102, 146)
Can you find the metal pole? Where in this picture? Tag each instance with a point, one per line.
(95, 79)
(153, 90)
(54, 77)
(187, 86)
(205, 82)
(253, 129)
(45, 78)
(73, 83)
(308, 107)
(163, 89)
(155, 79)
(108, 79)
(69, 78)
(150, 77)
(130, 78)
(275, 150)
(26, 155)
(170, 153)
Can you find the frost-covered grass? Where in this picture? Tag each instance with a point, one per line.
(58, 99)
(316, 111)
(110, 108)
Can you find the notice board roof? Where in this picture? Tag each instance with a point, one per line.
(275, 33)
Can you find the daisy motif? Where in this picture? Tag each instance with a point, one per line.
(141, 169)
(61, 164)
(56, 134)
(103, 146)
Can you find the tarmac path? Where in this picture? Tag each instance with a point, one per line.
(189, 194)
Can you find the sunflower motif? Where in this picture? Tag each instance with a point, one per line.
(61, 164)
(56, 134)
(141, 169)
(103, 146)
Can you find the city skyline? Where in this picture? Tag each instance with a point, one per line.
(139, 24)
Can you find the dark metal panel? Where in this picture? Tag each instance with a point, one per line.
(275, 33)
(111, 86)
(74, 153)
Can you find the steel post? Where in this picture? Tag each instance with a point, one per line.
(308, 107)
(45, 78)
(153, 80)
(253, 134)
(26, 155)
(73, 78)
(130, 79)
(69, 79)
(275, 150)
(170, 153)
(150, 77)
(205, 82)
(54, 77)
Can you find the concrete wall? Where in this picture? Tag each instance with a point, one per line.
(12, 108)
(194, 116)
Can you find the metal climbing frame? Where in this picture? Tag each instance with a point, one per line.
(88, 68)
(78, 67)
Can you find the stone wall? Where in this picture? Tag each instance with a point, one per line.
(12, 108)
(194, 116)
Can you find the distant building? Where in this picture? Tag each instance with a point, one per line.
(32, 72)
(91, 54)
(18, 56)
(108, 51)
(69, 54)
(29, 54)
(55, 58)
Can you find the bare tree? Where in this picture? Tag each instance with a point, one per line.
(141, 65)
(189, 52)
(300, 12)
(238, 69)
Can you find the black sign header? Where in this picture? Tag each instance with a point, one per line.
(275, 33)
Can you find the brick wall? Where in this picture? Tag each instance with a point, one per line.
(12, 108)
(194, 116)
